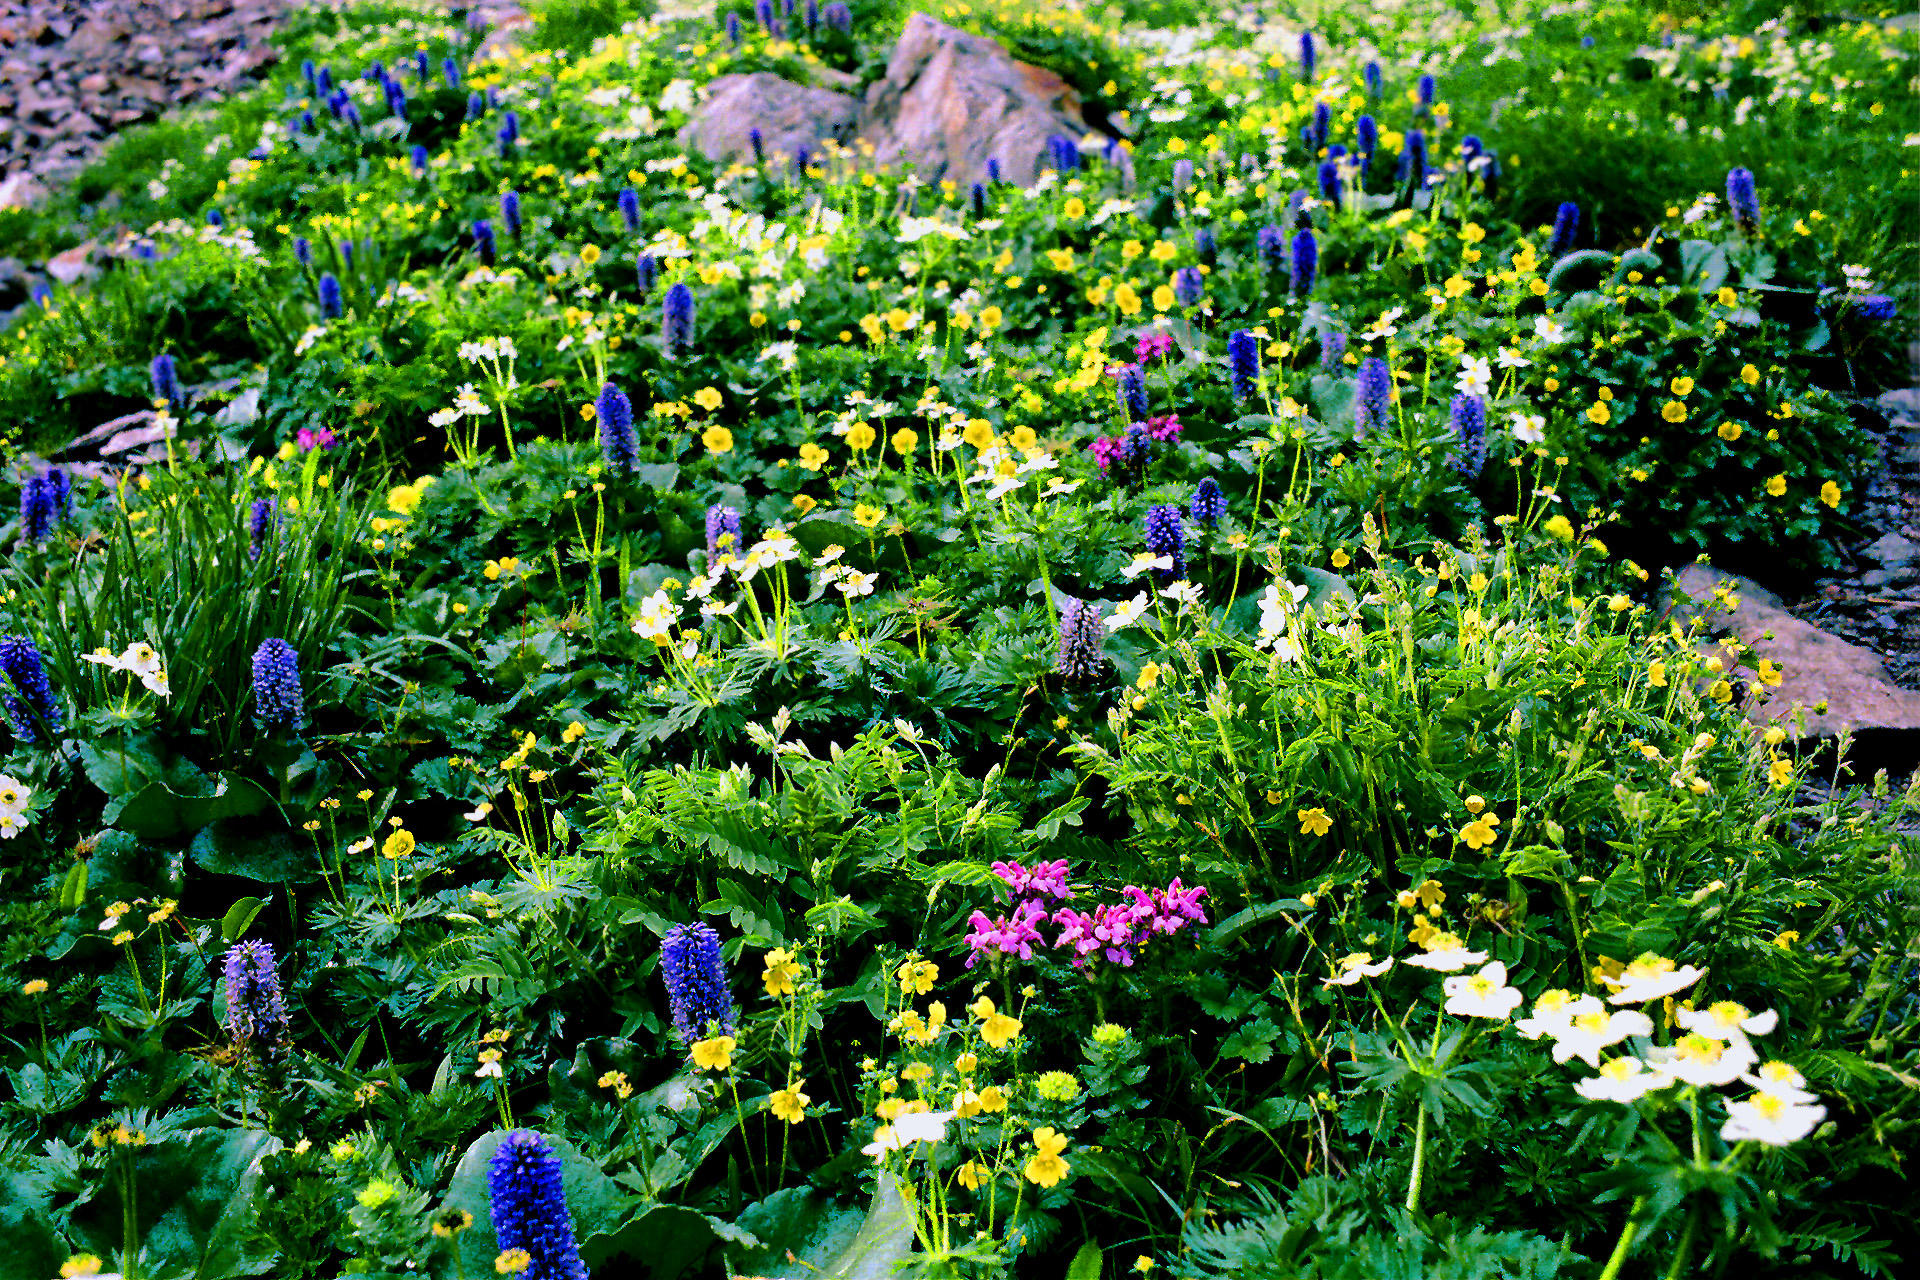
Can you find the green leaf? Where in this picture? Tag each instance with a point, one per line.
(1086, 1263)
(157, 811)
(239, 916)
(194, 1196)
(32, 1250)
(73, 889)
(255, 849)
(800, 1231)
(670, 1239)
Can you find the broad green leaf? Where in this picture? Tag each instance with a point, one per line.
(596, 1203)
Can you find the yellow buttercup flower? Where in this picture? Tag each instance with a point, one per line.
(1830, 494)
(707, 398)
(715, 1054)
(1314, 821)
(782, 968)
(996, 1028)
(867, 517)
(812, 456)
(905, 441)
(917, 976)
(398, 845)
(1046, 1168)
(789, 1104)
(717, 439)
(860, 437)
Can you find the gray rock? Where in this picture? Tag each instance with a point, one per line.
(1901, 403)
(789, 116)
(1874, 579)
(1893, 550)
(1826, 686)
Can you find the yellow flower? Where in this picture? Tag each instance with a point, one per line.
(512, 1262)
(1657, 675)
(1560, 527)
(782, 969)
(1162, 251)
(717, 439)
(1750, 375)
(789, 1104)
(812, 456)
(1314, 822)
(707, 398)
(989, 319)
(899, 321)
(1075, 207)
(1726, 297)
(1163, 298)
(1046, 1168)
(713, 1055)
(993, 1099)
(1060, 259)
(1729, 431)
(450, 1223)
(398, 845)
(805, 502)
(1770, 675)
(1673, 411)
(34, 987)
(1776, 486)
(996, 1028)
(905, 441)
(979, 433)
(1477, 834)
(860, 437)
(1830, 494)
(1780, 773)
(1127, 300)
(81, 1264)
(1599, 414)
(917, 976)
(1340, 559)
(972, 1174)
(867, 517)
(1682, 387)
(573, 733)
(590, 254)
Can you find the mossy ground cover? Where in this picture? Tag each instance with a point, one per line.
(772, 718)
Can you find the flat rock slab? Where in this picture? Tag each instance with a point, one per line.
(789, 116)
(1818, 670)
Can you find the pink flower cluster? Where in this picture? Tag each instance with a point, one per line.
(1110, 931)
(1152, 343)
(310, 438)
(1161, 430)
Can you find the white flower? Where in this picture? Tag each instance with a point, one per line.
(1476, 376)
(105, 657)
(1553, 1011)
(141, 659)
(1512, 359)
(313, 334)
(1127, 613)
(1586, 1034)
(828, 556)
(1529, 428)
(1185, 594)
(489, 1070)
(1650, 978)
(1549, 330)
(14, 795)
(1702, 1060)
(1621, 1080)
(1057, 487)
(1726, 1020)
(1771, 1119)
(1355, 967)
(907, 1129)
(855, 583)
(479, 812)
(1450, 960)
(1384, 326)
(1483, 995)
(1782, 1081)
(156, 682)
(11, 825)
(1002, 487)
(1145, 560)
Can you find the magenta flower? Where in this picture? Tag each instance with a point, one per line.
(1042, 880)
(1166, 911)
(1153, 343)
(1107, 932)
(1013, 935)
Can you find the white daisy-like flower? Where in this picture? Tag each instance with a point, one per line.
(1509, 358)
(1128, 612)
(1185, 594)
(1586, 1034)
(1528, 428)
(1145, 560)
(1621, 1080)
(1727, 1020)
(1549, 330)
(1553, 1011)
(1476, 376)
(1782, 1081)
(855, 583)
(11, 825)
(1650, 978)
(15, 795)
(141, 659)
(1447, 959)
(1770, 1119)
(156, 682)
(1355, 967)
(1702, 1060)
(1482, 995)
(906, 1130)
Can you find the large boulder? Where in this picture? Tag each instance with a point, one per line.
(788, 115)
(1827, 686)
(950, 101)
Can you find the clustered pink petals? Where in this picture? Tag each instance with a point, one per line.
(311, 438)
(1111, 931)
(1041, 880)
(1152, 343)
(1012, 935)
(1163, 428)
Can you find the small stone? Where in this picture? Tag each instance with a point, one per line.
(1874, 579)
(1892, 550)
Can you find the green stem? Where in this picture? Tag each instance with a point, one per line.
(1684, 1248)
(1625, 1243)
(1419, 1161)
